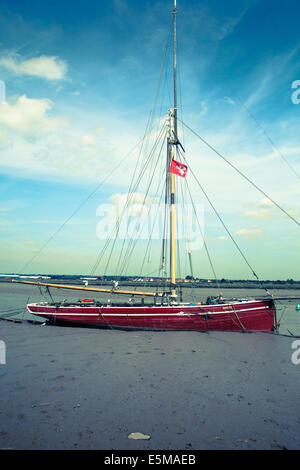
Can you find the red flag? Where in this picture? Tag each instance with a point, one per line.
(178, 168)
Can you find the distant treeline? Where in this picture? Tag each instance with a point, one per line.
(160, 282)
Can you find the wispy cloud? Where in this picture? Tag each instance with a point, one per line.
(48, 67)
(47, 147)
(213, 26)
(273, 70)
(266, 210)
(8, 206)
(259, 214)
(226, 100)
(251, 233)
(221, 238)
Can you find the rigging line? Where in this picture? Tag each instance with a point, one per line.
(128, 200)
(242, 174)
(185, 240)
(117, 226)
(233, 240)
(150, 117)
(185, 198)
(145, 135)
(169, 60)
(162, 68)
(178, 263)
(156, 271)
(184, 226)
(153, 225)
(166, 219)
(180, 92)
(79, 207)
(166, 229)
(178, 258)
(150, 155)
(263, 131)
(203, 238)
(185, 235)
(219, 217)
(72, 215)
(165, 78)
(145, 196)
(132, 242)
(157, 215)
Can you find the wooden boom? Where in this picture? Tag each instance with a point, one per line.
(89, 289)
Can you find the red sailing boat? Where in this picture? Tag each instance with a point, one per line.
(164, 311)
(234, 316)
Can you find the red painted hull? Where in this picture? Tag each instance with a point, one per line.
(239, 316)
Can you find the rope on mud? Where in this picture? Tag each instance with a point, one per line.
(291, 335)
(24, 310)
(241, 324)
(105, 321)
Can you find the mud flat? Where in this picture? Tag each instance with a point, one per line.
(80, 388)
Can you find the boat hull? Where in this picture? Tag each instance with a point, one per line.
(238, 316)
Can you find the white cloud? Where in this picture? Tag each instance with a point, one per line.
(29, 117)
(267, 210)
(121, 199)
(5, 140)
(93, 139)
(229, 100)
(47, 67)
(204, 108)
(293, 213)
(226, 100)
(259, 214)
(43, 146)
(8, 206)
(265, 203)
(250, 233)
(134, 202)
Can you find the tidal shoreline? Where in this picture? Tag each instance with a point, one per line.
(80, 388)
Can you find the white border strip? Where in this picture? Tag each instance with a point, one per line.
(134, 315)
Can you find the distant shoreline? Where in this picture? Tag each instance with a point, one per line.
(200, 284)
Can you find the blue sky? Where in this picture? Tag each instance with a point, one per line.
(80, 80)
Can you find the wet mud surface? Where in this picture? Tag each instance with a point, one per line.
(81, 388)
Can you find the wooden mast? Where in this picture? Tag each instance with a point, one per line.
(175, 68)
(172, 143)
